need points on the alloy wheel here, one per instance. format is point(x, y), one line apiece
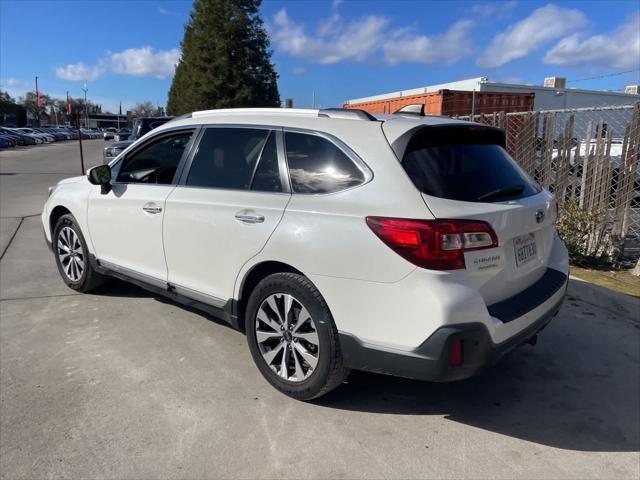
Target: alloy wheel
point(287, 337)
point(71, 254)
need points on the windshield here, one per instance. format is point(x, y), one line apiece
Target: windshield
point(466, 165)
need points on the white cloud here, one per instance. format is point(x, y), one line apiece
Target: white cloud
point(497, 10)
point(337, 40)
point(448, 47)
point(137, 62)
point(542, 26)
point(163, 11)
point(621, 49)
point(80, 72)
point(143, 62)
point(336, 3)
point(299, 71)
point(354, 41)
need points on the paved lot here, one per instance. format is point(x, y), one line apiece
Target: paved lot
point(121, 384)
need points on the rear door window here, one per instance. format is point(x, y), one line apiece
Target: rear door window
point(317, 165)
point(464, 164)
point(227, 158)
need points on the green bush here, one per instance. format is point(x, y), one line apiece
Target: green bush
point(584, 235)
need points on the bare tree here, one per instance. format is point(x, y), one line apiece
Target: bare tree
point(145, 109)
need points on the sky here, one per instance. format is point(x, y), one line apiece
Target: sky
point(333, 50)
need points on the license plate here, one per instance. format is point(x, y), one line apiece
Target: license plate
point(525, 248)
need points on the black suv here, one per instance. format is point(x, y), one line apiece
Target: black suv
point(141, 126)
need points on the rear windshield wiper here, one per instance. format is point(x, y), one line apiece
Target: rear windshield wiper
point(502, 192)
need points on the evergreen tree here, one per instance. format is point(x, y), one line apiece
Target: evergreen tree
point(226, 61)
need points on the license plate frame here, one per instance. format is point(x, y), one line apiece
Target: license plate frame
point(525, 249)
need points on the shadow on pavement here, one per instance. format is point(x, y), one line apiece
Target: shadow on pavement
point(549, 394)
point(527, 396)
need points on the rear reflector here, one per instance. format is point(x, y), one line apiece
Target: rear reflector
point(455, 356)
point(433, 244)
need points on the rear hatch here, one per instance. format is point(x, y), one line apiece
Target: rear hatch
point(464, 172)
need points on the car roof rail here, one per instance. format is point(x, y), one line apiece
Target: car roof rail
point(346, 113)
point(256, 111)
point(411, 109)
point(304, 112)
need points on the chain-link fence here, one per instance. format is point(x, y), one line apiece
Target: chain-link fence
point(591, 156)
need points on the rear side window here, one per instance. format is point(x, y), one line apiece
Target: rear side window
point(267, 176)
point(469, 165)
point(227, 157)
point(316, 165)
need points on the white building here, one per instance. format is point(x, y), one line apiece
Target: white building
point(546, 98)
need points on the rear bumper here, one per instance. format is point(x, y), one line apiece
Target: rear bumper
point(430, 360)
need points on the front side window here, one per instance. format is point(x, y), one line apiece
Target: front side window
point(316, 165)
point(155, 163)
point(227, 157)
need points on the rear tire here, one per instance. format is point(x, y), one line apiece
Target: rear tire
point(72, 256)
point(292, 337)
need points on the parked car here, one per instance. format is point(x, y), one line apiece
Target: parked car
point(11, 142)
point(72, 132)
point(122, 134)
point(46, 138)
point(141, 126)
point(411, 246)
point(5, 143)
point(23, 138)
point(89, 134)
point(113, 150)
point(56, 133)
point(109, 133)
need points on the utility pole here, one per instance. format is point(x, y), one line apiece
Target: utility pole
point(37, 102)
point(86, 107)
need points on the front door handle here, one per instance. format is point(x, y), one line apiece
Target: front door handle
point(152, 208)
point(249, 218)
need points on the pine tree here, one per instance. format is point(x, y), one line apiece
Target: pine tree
point(226, 61)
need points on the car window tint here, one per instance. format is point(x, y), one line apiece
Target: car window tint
point(316, 165)
point(226, 158)
point(156, 163)
point(464, 164)
point(267, 176)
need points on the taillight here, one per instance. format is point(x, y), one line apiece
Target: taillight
point(433, 244)
point(455, 355)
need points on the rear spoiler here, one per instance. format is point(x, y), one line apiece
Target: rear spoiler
point(412, 109)
point(441, 131)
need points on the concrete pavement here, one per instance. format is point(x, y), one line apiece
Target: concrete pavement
point(121, 384)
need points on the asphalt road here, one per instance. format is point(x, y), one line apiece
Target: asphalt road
point(121, 384)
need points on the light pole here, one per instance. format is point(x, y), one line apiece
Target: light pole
point(37, 103)
point(86, 107)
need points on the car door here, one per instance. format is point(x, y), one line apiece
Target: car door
point(125, 224)
point(228, 202)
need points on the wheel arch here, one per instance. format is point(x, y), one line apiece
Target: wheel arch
point(252, 277)
point(55, 215)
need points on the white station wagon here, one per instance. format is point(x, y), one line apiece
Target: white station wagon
point(399, 244)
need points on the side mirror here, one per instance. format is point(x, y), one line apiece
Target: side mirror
point(100, 175)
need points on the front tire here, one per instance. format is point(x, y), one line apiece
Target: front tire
point(72, 256)
point(292, 337)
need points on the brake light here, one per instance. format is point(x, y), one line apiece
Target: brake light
point(433, 244)
point(455, 356)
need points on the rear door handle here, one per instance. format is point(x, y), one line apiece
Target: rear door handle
point(248, 218)
point(152, 208)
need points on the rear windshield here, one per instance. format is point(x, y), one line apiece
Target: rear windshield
point(466, 164)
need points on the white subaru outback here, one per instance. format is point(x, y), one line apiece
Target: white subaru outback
point(399, 244)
